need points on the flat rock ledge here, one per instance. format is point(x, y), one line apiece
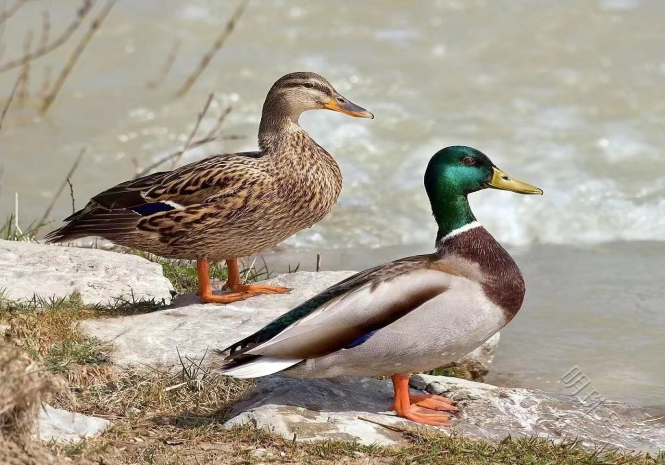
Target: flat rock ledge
point(101, 277)
point(343, 409)
point(64, 426)
point(189, 329)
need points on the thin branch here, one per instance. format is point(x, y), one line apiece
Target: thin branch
point(16, 214)
point(62, 187)
point(199, 142)
point(94, 27)
point(71, 194)
point(46, 82)
point(5, 15)
point(387, 426)
point(46, 30)
point(201, 116)
point(219, 123)
point(217, 45)
point(190, 144)
point(9, 100)
point(22, 92)
point(60, 40)
point(171, 58)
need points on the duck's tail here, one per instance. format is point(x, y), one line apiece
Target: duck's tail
point(257, 366)
point(95, 222)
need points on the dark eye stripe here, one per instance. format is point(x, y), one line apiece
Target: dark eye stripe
point(291, 84)
point(322, 88)
point(315, 85)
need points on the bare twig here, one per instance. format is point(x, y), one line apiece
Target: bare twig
point(22, 92)
point(171, 58)
point(318, 262)
point(16, 214)
point(71, 194)
point(62, 187)
point(46, 29)
point(143, 172)
point(5, 15)
point(5, 109)
point(220, 121)
point(94, 27)
point(201, 116)
point(387, 426)
point(46, 82)
point(191, 143)
point(217, 45)
point(199, 142)
point(57, 42)
point(174, 387)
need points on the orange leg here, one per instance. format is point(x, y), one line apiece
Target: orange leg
point(206, 291)
point(235, 285)
point(419, 408)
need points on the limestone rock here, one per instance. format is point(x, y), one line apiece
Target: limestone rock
point(195, 328)
point(28, 269)
point(64, 426)
point(320, 409)
point(330, 409)
point(489, 412)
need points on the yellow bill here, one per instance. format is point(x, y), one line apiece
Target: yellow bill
point(501, 180)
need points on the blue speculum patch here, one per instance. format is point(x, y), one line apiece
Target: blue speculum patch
point(154, 207)
point(360, 340)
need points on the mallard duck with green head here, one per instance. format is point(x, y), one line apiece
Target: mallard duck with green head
point(231, 205)
point(410, 315)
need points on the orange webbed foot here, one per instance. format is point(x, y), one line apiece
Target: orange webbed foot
point(425, 409)
point(255, 289)
point(426, 416)
point(433, 402)
point(224, 298)
point(436, 402)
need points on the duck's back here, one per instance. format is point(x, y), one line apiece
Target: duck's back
point(225, 206)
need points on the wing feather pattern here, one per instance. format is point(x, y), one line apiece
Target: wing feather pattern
point(188, 189)
point(343, 315)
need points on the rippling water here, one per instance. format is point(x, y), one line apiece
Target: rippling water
point(565, 95)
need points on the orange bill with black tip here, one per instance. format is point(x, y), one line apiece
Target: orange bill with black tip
point(343, 105)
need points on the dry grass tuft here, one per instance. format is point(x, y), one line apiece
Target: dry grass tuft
point(53, 337)
point(22, 386)
point(161, 396)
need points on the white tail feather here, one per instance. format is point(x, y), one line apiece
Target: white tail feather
point(260, 367)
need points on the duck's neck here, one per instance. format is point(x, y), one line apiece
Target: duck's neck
point(278, 123)
point(452, 214)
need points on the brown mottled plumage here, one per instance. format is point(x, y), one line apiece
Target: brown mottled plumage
point(230, 205)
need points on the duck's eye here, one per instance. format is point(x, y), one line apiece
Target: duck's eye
point(308, 85)
point(469, 161)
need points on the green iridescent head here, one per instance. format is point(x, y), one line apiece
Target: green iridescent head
point(456, 171)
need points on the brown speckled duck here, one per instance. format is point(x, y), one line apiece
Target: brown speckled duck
point(410, 315)
point(231, 205)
